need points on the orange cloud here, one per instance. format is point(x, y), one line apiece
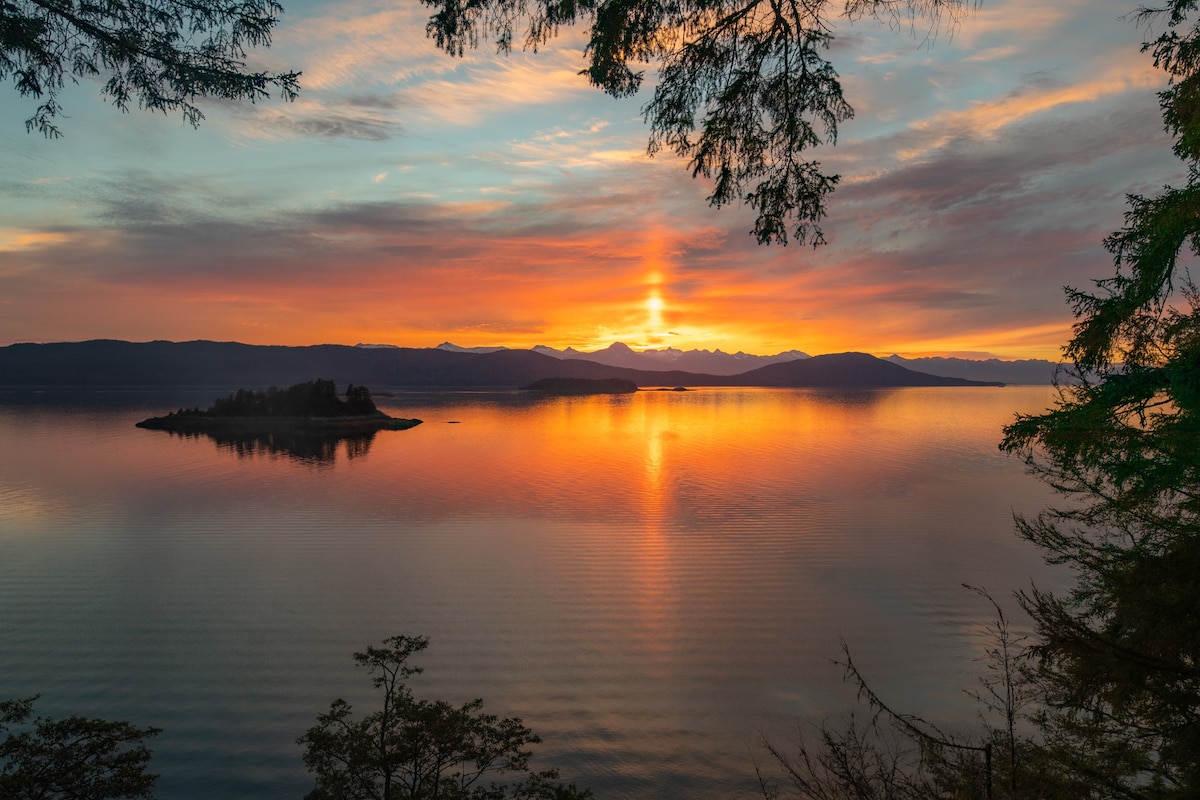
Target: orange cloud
point(986, 118)
point(12, 241)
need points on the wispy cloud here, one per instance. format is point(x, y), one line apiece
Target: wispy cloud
point(986, 118)
point(326, 123)
point(410, 197)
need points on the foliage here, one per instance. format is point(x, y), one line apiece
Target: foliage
point(896, 755)
point(317, 398)
point(160, 54)
point(413, 749)
point(743, 90)
point(1114, 671)
point(72, 758)
point(854, 762)
point(1119, 657)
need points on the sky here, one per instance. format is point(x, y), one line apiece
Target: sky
point(409, 197)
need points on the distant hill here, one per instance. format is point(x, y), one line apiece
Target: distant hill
point(222, 365)
point(848, 370)
point(1027, 371)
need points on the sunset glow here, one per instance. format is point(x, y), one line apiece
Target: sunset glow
point(413, 198)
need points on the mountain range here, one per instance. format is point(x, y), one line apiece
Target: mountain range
point(619, 354)
point(718, 362)
point(111, 363)
point(709, 362)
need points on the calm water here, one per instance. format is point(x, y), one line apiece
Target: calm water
point(652, 582)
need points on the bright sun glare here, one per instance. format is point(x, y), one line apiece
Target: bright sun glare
point(654, 305)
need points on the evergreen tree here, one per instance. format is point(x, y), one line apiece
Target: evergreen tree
point(1119, 655)
point(158, 54)
point(73, 758)
point(1113, 674)
point(412, 749)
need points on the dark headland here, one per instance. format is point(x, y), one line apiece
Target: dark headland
point(311, 407)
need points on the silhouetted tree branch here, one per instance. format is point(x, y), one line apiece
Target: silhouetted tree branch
point(71, 758)
point(413, 749)
point(1118, 661)
point(895, 755)
point(743, 90)
point(162, 55)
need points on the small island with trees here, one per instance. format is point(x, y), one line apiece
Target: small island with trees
point(582, 386)
point(312, 406)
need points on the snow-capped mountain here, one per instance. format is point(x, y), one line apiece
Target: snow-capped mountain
point(453, 348)
point(707, 362)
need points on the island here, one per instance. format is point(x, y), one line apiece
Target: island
point(582, 386)
point(305, 407)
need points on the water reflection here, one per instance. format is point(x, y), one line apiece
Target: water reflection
point(317, 447)
point(650, 580)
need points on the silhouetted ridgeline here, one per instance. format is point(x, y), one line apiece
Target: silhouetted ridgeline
point(108, 363)
point(1031, 371)
point(851, 370)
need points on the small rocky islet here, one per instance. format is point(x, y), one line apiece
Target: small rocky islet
point(311, 406)
point(575, 387)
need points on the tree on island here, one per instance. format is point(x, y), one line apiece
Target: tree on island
point(301, 410)
point(316, 398)
point(413, 749)
point(73, 758)
point(158, 54)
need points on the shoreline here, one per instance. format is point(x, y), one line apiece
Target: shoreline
point(202, 424)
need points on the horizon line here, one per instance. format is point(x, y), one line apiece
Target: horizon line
point(449, 346)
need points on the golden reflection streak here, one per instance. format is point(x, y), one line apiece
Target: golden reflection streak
point(654, 556)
